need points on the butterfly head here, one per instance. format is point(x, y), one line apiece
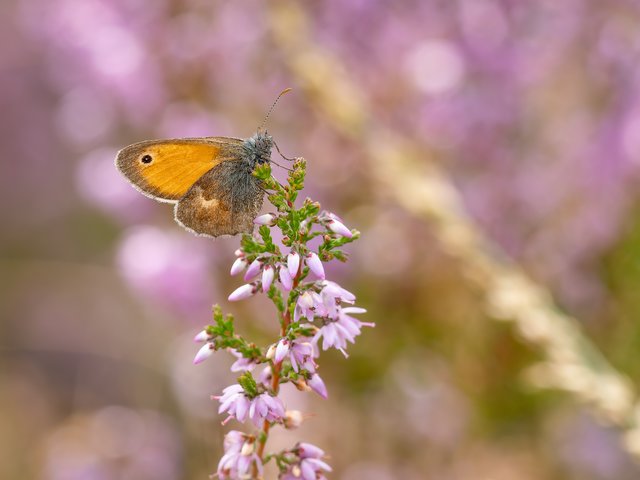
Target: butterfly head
point(258, 148)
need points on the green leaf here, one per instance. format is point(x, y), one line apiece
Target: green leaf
point(248, 384)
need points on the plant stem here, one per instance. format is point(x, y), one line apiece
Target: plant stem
point(275, 381)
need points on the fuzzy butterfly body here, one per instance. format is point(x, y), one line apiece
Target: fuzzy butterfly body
point(210, 179)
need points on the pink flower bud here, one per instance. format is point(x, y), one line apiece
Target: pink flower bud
point(318, 386)
point(266, 219)
point(239, 265)
point(285, 279)
point(281, 350)
point(307, 450)
point(267, 277)
point(204, 353)
point(339, 228)
point(245, 291)
point(202, 336)
point(253, 269)
point(313, 262)
point(293, 262)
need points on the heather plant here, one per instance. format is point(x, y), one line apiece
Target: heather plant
point(310, 312)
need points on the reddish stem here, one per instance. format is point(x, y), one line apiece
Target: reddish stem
point(275, 381)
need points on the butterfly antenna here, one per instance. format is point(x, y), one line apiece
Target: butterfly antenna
point(286, 158)
point(282, 166)
point(286, 90)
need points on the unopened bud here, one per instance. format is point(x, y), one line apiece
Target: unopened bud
point(301, 385)
point(266, 219)
point(293, 419)
point(271, 351)
point(247, 449)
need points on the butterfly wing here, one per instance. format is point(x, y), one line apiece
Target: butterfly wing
point(224, 201)
point(166, 169)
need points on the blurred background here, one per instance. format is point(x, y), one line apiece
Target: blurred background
point(527, 112)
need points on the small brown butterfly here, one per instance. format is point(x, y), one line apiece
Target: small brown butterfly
point(209, 179)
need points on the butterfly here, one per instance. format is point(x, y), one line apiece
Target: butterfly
point(209, 179)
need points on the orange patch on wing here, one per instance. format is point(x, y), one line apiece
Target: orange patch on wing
point(175, 167)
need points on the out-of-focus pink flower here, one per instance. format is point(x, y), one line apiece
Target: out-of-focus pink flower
point(265, 376)
point(204, 353)
point(310, 466)
point(166, 267)
point(239, 457)
point(318, 386)
point(201, 336)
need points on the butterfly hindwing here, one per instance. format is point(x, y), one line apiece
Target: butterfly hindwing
point(167, 169)
point(224, 201)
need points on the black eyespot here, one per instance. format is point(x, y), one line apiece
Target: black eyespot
point(146, 159)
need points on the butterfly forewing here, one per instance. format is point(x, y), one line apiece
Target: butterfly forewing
point(167, 169)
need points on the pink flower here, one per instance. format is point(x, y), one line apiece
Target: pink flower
point(253, 269)
point(239, 457)
point(267, 278)
point(265, 407)
point(234, 401)
point(285, 279)
point(242, 364)
point(239, 265)
point(265, 377)
point(318, 386)
point(308, 450)
point(293, 263)
point(335, 291)
point(266, 219)
point(335, 225)
point(245, 291)
point(315, 265)
point(333, 335)
point(238, 405)
point(204, 353)
point(309, 466)
point(300, 354)
point(202, 336)
point(281, 350)
point(307, 306)
point(338, 332)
